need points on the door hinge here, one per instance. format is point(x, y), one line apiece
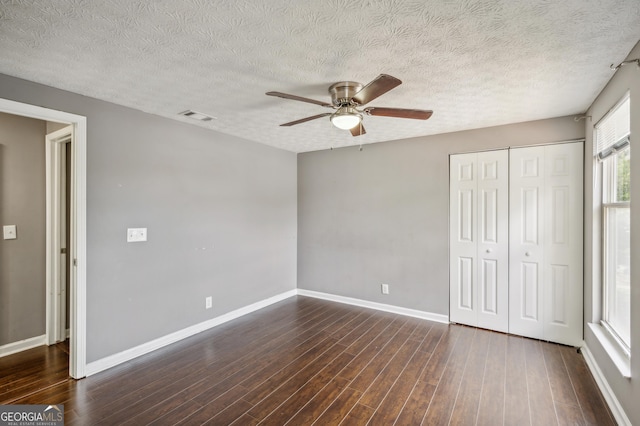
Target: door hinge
point(63, 251)
point(75, 262)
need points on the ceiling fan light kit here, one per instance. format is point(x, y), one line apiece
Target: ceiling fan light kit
point(346, 118)
point(347, 96)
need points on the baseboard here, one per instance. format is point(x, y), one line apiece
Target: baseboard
point(129, 354)
point(607, 392)
point(374, 305)
point(22, 345)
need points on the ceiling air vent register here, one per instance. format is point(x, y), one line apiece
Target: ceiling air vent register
point(197, 115)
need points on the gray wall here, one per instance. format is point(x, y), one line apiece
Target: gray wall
point(382, 215)
point(220, 213)
point(22, 203)
point(626, 390)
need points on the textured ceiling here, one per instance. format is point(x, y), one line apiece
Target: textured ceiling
point(476, 63)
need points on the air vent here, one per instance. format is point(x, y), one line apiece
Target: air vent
point(197, 115)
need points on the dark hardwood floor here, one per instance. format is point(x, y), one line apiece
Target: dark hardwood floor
point(305, 361)
point(33, 370)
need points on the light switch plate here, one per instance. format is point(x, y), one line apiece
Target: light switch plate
point(9, 232)
point(136, 235)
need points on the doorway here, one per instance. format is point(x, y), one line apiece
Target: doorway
point(77, 231)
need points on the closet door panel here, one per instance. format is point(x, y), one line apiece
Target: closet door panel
point(546, 221)
point(563, 293)
point(463, 239)
point(493, 240)
point(527, 206)
point(479, 239)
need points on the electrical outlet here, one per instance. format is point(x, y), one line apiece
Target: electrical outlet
point(384, 288)
point(208, 302)
point(135, 235)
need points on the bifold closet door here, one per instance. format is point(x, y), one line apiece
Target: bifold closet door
point(546, 242)
point(479, 239)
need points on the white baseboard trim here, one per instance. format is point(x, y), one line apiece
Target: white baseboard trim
point(22, 345)
point(129, 354)
point(374, 305)
point(607, 392)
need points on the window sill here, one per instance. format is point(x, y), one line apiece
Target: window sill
point(613, 349)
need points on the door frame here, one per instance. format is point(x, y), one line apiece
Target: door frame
point(78, 308)
point(55, 145)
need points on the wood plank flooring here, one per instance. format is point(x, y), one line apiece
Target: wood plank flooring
point(31, 371)
point(307, 361)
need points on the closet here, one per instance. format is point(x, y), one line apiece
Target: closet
point(516, 249)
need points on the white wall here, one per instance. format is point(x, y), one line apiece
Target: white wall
point(627, 391)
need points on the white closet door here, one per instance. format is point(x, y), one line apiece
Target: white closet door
point(479, 239)
point(526, 245)
point(493, 240)
point(463, 239)
point(545, 271)
point(563, 248)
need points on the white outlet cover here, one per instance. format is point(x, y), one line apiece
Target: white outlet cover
point(208, 303)
point(136, 235)
point(9, 232)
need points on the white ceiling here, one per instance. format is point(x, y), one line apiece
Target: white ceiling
point(476, 63)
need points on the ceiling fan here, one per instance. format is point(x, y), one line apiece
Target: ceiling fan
point(348, 96)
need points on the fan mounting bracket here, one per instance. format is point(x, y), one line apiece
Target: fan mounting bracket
point(342, 92)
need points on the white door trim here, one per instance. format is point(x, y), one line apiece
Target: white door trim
point(78, 308)
point(55, 143)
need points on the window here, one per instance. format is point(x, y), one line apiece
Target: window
point(613, 152)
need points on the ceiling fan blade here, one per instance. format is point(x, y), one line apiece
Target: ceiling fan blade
point(298, 98)
point(379, 86)
point(417, 114)
point(358, 130)
point(304, 120)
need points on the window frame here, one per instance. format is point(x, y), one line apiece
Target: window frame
point(606, 163)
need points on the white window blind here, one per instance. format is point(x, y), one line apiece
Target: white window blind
point(612, 132)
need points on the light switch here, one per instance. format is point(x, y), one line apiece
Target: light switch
point(9, 232)
point(135, 235)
